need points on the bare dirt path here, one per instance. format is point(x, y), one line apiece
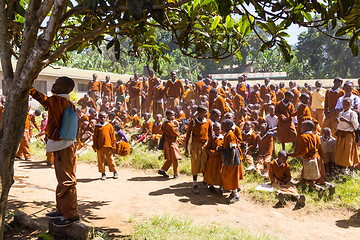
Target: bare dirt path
point(137, 194)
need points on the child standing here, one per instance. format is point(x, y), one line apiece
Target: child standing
point(213, 167)
point(171, 149)
point(232, 170)
point(346, 154)
point(200, 130)
point(328, 148)
point(104, 144)
point(265, 144)
point(64, 151)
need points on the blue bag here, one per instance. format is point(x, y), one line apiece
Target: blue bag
point(69, 124)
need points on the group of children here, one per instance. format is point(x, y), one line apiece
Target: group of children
point(222, 128)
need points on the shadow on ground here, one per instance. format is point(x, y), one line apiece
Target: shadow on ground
point(353, 221)
point(184, 192)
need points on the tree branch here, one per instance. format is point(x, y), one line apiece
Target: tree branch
point(5, 52)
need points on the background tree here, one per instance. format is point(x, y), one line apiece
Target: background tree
point(38, 33)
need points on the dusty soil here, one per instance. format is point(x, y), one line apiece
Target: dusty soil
point(138, 194)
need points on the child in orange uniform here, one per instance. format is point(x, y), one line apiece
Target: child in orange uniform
point(265, 144)
point(64, 151)
point(232, 170)
point(156, 131)
point(309, 149)
point(200, 130)
point(280, 177)
point(104, 144)
point(213, 167)
point(171, 149)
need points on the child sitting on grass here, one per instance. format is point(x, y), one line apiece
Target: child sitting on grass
point(104, 143)
point(171, 149)
point(280, 177)
point(145, 129)
point(156, 131)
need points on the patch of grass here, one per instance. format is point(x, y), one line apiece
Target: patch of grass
point(168, 227)
point(38, 150)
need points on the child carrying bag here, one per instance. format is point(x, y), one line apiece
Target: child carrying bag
point(69, 124)
point(311, 167)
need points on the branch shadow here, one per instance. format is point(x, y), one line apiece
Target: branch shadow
point(184, 192)
point(353, 221)
point(149, 179)
point(33, 165)
point(87, 180)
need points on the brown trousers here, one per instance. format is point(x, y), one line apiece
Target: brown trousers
point(50, 158)
point(65, 170)
point(319, 115)
point(24, 148)
point(93, 94)
point(135, 102)
point(105, 155)
point(158, 108)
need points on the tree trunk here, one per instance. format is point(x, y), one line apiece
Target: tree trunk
point(11, 132)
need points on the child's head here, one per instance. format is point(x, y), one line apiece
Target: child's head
point(213, 93)
point(247, 126)
point(92, 123)
point(117, 127)
point(203, 98)
point(224, 83)
point(255, 114)
point(178, 108)
point(92, 112)
point(105, 99)
point(63, 85)
point(271, 110)
point(102, 117)
point(134, 111)
point(85, 125)
point(326, 132)
point(338, 81)
point(264, 128)
point(272, 87)
point(170, 114)
point(348, 87)
point(281, 85)
point(226, 125)
point(289, 96)
point(229, 115)
point(107, 78)
point(158, 118)
point(147, 116)
point(266, 81)
point(78, 111)
point(292, 84)
point(256, 87)
point(44, 115)
point(347, 103)
point(233, 91)
point(217, 128)
point(191, 102)
point(282, 157)
point(304, 98)
point(119, 82)
point(307, 125)
point(256, 106)
point(215, 115)
point(202, 111)
point(37, 112)
point(267, 98)
point(112, 116)
point(318, 84)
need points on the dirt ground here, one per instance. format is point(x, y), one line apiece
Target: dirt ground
point(113, 205)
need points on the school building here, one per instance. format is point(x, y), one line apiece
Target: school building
point(47, 78)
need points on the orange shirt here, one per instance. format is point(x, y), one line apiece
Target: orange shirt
point(104, 136)
point(280, 95)
point(134, 88)
point(265, 145)
point(279, 173)
point(264, 90)
point(213, 143)
point(200, 130)
point(198, 88)
point(94, 86)
point(156, 129)
point(296, 93)
point(107, 87)
point(303, 113)
point(136, 122)
point(146, 126)
point(158, 93)
point(254, 97)
point(55, 105)
point(120, 90)
point(174, 89)
point(1, 112)
point(221, 105)
point(170, 133)
point(250, 139)
point(331, 98)
point(238, 102)
point(306, 146)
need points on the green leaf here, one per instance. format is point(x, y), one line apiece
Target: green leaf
point(215, 22)
point(283, 34)
point(308, 16)
point(229, 22)
point(165, 46)
point(238, 55)
point(343, 30)
point(204, 2)
point(264, 27)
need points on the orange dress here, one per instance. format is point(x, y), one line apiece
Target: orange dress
point(214, 164)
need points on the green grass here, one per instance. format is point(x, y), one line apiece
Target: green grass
point(168, 227)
